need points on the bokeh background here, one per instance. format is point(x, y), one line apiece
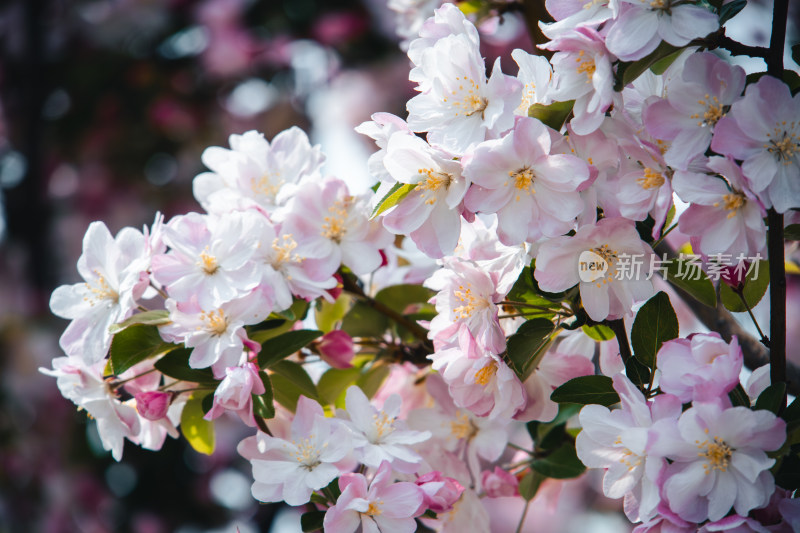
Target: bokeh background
point(105, 108)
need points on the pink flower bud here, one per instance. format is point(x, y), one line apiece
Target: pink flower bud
point(153, 404)
point(440, 492)
point(336, 348)
point(499, 483)
point(337, 290)
point(735, 275)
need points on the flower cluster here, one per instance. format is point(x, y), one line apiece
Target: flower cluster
point(464, 301)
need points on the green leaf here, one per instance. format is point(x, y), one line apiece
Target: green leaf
point(670, 217)
point(263, 404)
point(312, 521)
point(530, 484)
point(628, 72)
point(176, 365)
point(598, 332)
point(133, 345)
point(289, 382)
point(792, 231)
point(561, 464)
point(523, 345)
point(334, 382)
point(700, 289)
point(637, 372)
point(585, 390)
point(198, 431)
point(526, 291)
point(363, 321)
point(792, 413)
point(282, 346)
point(655, 324)
point(730, 10)
point(155, 317)
point(739, 397)
point(553, 115)
point(658, 68)
point(372, 379)
point(327, 314)
point(393, 197)
point(400, 297)
point(772, 398)
point(755, 286)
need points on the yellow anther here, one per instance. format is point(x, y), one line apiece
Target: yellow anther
point(652, 179)
point(486, 373)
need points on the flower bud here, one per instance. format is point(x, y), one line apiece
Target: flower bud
point(440, 492)
point(499, 483)
point(336, 349)
point(153, 404)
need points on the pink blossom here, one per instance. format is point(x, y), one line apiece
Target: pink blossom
point(570, 14)
point(111, 269)
point(532, 191)
point(153, 405)
point(290, 470)
point(557, 267)
point(380, 129)
point(430, 214)
point(439, 491)
point(763, 130)
point(535, 73)
point(337, 349)
point(694, 103)
point(235, 393)
point(582, 66)
point(700, 368)
point(618, 441)
point(255, 173)
point(499, 483)
point(724, 216)
point(382, 505)
point(719, 460)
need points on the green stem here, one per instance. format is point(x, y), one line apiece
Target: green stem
point(520, 448)
point(523, 305)
point(524, 514)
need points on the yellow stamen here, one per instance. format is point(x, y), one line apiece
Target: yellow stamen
point(651, 180)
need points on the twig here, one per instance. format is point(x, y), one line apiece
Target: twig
point(524, 514)
point(618, 327)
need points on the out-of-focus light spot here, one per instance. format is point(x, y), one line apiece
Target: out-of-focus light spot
point(231, 489)
point(56, 105)
point(251, 97)
point(95, 12)
point(63, 182)
point(13, 166)
point(185, 43)
point(121, 479)
point(311, 64)
point(160, 169)
point(287, 520)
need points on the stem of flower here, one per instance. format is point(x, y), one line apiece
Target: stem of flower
point(524, 305)
point(618, 327)
point(520, 448)
point(764, 338)
point(524, 514)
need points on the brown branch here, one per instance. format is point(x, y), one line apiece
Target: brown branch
point(535, 12)
point(618, 327)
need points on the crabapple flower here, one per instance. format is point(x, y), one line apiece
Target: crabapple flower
point(763, 131)
point(533, 192)
point(643, 24)
point(618, 442)
point(84, 385)
point(430, 214)
point(466, 298)
point(411, 14)
point(499, 483)
point(378, 435)
point(153, 405)
point(570, 14)
point(382, 506)
point(290, 470)
point(700, 368)
point(694, 103)
point(535, 74)
point(337, 349)
point(209, 258)
point(112, 284)
point(582, 67)
point(235, 393)
point(217, 335)
point(439, 492)
point(459, 107)
point(380, 129)
point(253, 172)
point(484, 384)
point(719, 460)
point(724, 216)
point(337, 226)
point(614, 290)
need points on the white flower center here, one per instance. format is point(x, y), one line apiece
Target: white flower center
point(717, 452)
point(100, 291)
point(585, 66)
point(713, 111)
point(267, 185)
point(784, 142)
point(215, 321)
point(208, 262)
point(485, 374)
point(334, 227)
point(470, 303)
point(652, 179)
point(434, 182)
point(471, 101)
point(306, 453)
